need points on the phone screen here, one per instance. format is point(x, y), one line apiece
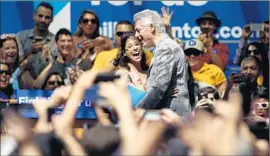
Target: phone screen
point(152, 115)
point(255, 27)
point(205, 30)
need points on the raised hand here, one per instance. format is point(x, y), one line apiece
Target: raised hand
point(246, 32)
point(46, 53)
point(205, 40)
point(114, 91)
point(166, 16)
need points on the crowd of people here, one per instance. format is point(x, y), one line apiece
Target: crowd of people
point(190, 107)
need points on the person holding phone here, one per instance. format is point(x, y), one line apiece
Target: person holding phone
point(216, 53)
point(246, 32)
point(32, 41)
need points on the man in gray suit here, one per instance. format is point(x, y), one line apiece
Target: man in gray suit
point(168, 68)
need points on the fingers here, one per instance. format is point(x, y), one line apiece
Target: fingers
point(171, 14)
point(60, 95)
point(56, 119)
point(102, 117)
point(87, 79)
point(87, 43)
point(163, 10)
point(123, 80)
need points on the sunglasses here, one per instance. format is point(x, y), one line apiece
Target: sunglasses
point(4, 72)
point(262, 104)
point(255, 52)
point(86, 21)
point(119, 33)
point(192, 52)
point(59, 83)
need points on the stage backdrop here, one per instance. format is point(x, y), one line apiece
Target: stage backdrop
point(17, 16)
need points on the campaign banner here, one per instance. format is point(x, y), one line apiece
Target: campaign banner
point(18, 15)
point(85, 110)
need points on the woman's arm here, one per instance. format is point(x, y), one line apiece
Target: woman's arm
point(42, 76)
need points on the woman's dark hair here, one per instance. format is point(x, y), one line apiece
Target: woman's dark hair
point(193, 88)
point(122, 60)
point(16, 64)
point(49, 76)
point(258, 46)
point(9, 90)
point(261, 92)
point(79, 31)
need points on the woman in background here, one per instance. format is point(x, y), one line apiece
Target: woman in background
point(87, 30)
point(53, 81)
point(9, 53)
point(6, 90)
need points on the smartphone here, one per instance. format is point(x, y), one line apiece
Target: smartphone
point(256, 27)
point(50, 112)
point(152, 115)
point(38, 39)
point(205, 30)
point(105, 77)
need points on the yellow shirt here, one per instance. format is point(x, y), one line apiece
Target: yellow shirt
point(103, 59)
point(210, 74)
point(260, 80)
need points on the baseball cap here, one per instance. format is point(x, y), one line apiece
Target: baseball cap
point(195, 44)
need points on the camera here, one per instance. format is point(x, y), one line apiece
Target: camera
point(240, 78)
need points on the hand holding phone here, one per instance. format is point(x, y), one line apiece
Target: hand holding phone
point(37, 45)
point(256, 27)
point(205, 30)
point(246, 31)
point(86, 44)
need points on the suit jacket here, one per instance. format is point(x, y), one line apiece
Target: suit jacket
point(168, 70)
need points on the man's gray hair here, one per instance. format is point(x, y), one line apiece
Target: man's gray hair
point(153, 17)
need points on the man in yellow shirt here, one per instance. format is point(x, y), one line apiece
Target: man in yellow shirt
point(104, 59)
point(205, 74)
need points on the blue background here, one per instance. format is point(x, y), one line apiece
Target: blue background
point(17, 16)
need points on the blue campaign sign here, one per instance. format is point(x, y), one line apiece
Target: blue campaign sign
point(18, 15)
point(85, 110)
